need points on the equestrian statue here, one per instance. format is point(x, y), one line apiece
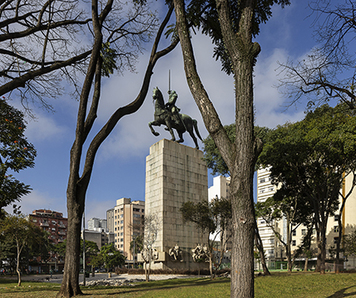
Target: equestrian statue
point(168, 114)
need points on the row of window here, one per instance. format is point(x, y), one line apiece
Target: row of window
point(265, 189)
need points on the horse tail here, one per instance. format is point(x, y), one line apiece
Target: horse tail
point(195, 123)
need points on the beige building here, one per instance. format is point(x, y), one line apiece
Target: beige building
point(273, 248)
point(125, 220)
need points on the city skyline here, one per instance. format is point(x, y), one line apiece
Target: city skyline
point(119, 170)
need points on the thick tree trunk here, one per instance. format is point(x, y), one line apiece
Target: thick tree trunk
point(240, 156)
point(70, 284)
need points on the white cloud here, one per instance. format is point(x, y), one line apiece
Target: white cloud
point(270, 104)
point(39, 200)
point(44, 127)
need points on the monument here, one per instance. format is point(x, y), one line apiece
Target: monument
point(175, 174)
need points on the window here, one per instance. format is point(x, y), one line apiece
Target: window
point(294, 242)
point(262, 180)
point(336, 239)
point(336, 229)
point(137, 215)
point(121, 215)
point(336, 217)
point(294, 233)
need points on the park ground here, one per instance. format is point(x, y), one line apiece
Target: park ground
point(278, 285)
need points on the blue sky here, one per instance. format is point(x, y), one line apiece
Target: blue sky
point(119, 170)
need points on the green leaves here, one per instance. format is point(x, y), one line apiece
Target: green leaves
point(108, 57)
point(16, 153)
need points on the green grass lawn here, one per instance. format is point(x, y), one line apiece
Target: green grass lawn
point(279, 285)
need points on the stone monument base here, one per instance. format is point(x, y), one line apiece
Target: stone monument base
point(175, 174)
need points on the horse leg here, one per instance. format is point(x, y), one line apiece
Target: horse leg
point(155, 123)
point(180, 133)
point(191, 132)
point(169, 126)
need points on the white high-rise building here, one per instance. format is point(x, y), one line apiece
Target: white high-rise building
point(273, 247)
point(97, 224)
point(265, 189)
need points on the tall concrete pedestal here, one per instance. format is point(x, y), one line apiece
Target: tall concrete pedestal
point(175, 174)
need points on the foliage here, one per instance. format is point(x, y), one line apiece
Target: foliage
point(203, 15)
point(310, 158)
point(16, 154)
point(213, 217)
point(212, 156)
point(91, 248)
point(350, 244)
point(137, 244)
point(111, 257)
point(20, 230)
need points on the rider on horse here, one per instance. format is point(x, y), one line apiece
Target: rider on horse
point(173, 109)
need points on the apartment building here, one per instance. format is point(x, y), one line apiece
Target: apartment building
point(97, 232)
point(97, 224)
point(265, 189)
point(52, 222)
point(125, 220)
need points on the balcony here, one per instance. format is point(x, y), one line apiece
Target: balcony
point(44, 224)
point(61, 233)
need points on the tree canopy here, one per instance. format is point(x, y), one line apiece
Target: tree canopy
point(310, 160)
point(16, 154)
point(213, 218)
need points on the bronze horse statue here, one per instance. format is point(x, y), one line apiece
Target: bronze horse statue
point(173, 120)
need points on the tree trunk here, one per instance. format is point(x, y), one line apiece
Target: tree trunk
point(70, 283)
point(77, 185)
point(306, 264)
point(239, 156)
point(18, 264)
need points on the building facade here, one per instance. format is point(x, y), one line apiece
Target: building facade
point(52, 222)
point(126, 221)
point(97, 224)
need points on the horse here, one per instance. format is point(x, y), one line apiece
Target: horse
point(180, 122)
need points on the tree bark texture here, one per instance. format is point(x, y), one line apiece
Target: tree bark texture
point(239, 156)
point(78, 184)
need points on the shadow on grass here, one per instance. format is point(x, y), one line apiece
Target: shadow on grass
point(160, 285)
point(341, 293)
